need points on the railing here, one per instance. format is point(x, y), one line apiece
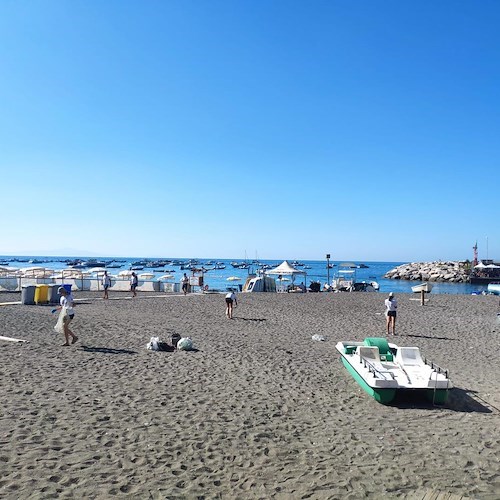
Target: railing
point(16, 284)
point(375, 371)
point(436, 368)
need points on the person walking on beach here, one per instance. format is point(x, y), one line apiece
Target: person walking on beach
point(391, 305)
point(230, 300)
point(133, 283)
point(106, 283)
point(184, 283)
point(66, 315)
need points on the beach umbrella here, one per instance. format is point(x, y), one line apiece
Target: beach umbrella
point(97, 270)
point(480, 266)
point(166, 277)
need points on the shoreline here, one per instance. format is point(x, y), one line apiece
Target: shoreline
point(259, 410)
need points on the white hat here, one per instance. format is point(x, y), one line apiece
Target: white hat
point(391, 294)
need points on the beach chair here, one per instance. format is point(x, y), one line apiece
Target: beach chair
point(370, 353)
point(409, 356)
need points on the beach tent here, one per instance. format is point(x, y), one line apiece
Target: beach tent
point(285, 268)
point(480, 266)
point(492, 266)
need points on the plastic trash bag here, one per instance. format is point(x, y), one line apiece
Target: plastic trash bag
point(319, 338)
point(185, 344)
point(59, 327)
point(153, 344)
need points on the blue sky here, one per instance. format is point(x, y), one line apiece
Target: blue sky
point(288, 129)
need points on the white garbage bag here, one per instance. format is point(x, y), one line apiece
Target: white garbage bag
point(185, 344)
point(153, 344)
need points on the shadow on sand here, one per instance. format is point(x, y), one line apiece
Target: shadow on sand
point(106, 350)
point(426, 337)
point(249, 319)
point(459, 400)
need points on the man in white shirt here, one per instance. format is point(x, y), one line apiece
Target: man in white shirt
point(230, 300)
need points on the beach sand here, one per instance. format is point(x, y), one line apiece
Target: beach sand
point(258, 411)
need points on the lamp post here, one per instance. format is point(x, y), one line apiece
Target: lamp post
point(328, 267)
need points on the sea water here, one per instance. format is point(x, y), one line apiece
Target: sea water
point(221, 279)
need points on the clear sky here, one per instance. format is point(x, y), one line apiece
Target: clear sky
point(217, 128)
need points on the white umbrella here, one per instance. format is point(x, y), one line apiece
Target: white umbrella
point(98, 270)
point(480, 266)
point(492, 266)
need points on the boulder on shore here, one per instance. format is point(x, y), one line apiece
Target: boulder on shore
point(446, 271)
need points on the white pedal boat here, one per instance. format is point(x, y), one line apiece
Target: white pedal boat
point(383, 369)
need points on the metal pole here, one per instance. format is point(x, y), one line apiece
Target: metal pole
point(328, 268)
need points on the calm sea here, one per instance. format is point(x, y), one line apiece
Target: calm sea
point(218, 278)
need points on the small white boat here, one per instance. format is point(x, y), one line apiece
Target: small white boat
point(494, 288)
point(423, 287)
point(259, 284)
point(383, 369)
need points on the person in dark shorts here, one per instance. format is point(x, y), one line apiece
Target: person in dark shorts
point(68, 313)
point(391, 305)
point(185, 283)
point(230, 300)
point(134, 281)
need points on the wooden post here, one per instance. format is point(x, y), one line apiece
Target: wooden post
point(422, 297)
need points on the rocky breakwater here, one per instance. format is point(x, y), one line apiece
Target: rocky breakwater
point(451, 272)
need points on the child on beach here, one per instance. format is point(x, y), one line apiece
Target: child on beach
point(391, 305)
point(66, 315)
point(106, 283)
point(230, 299)
point(133, 284)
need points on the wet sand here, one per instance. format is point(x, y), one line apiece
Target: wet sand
point(259, 410)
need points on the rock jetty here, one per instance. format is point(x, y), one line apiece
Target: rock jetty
point(451, 272)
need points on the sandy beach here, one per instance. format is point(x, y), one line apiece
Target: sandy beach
point(259, 410)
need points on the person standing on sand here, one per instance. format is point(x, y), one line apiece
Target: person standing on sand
point(391, 305)
point(106, 283)
point(230, 300)
point(134, 281)
point(67, 314)
point(184, 283)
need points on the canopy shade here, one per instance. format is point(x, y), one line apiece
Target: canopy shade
point(480, 266)
point(285, 268)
